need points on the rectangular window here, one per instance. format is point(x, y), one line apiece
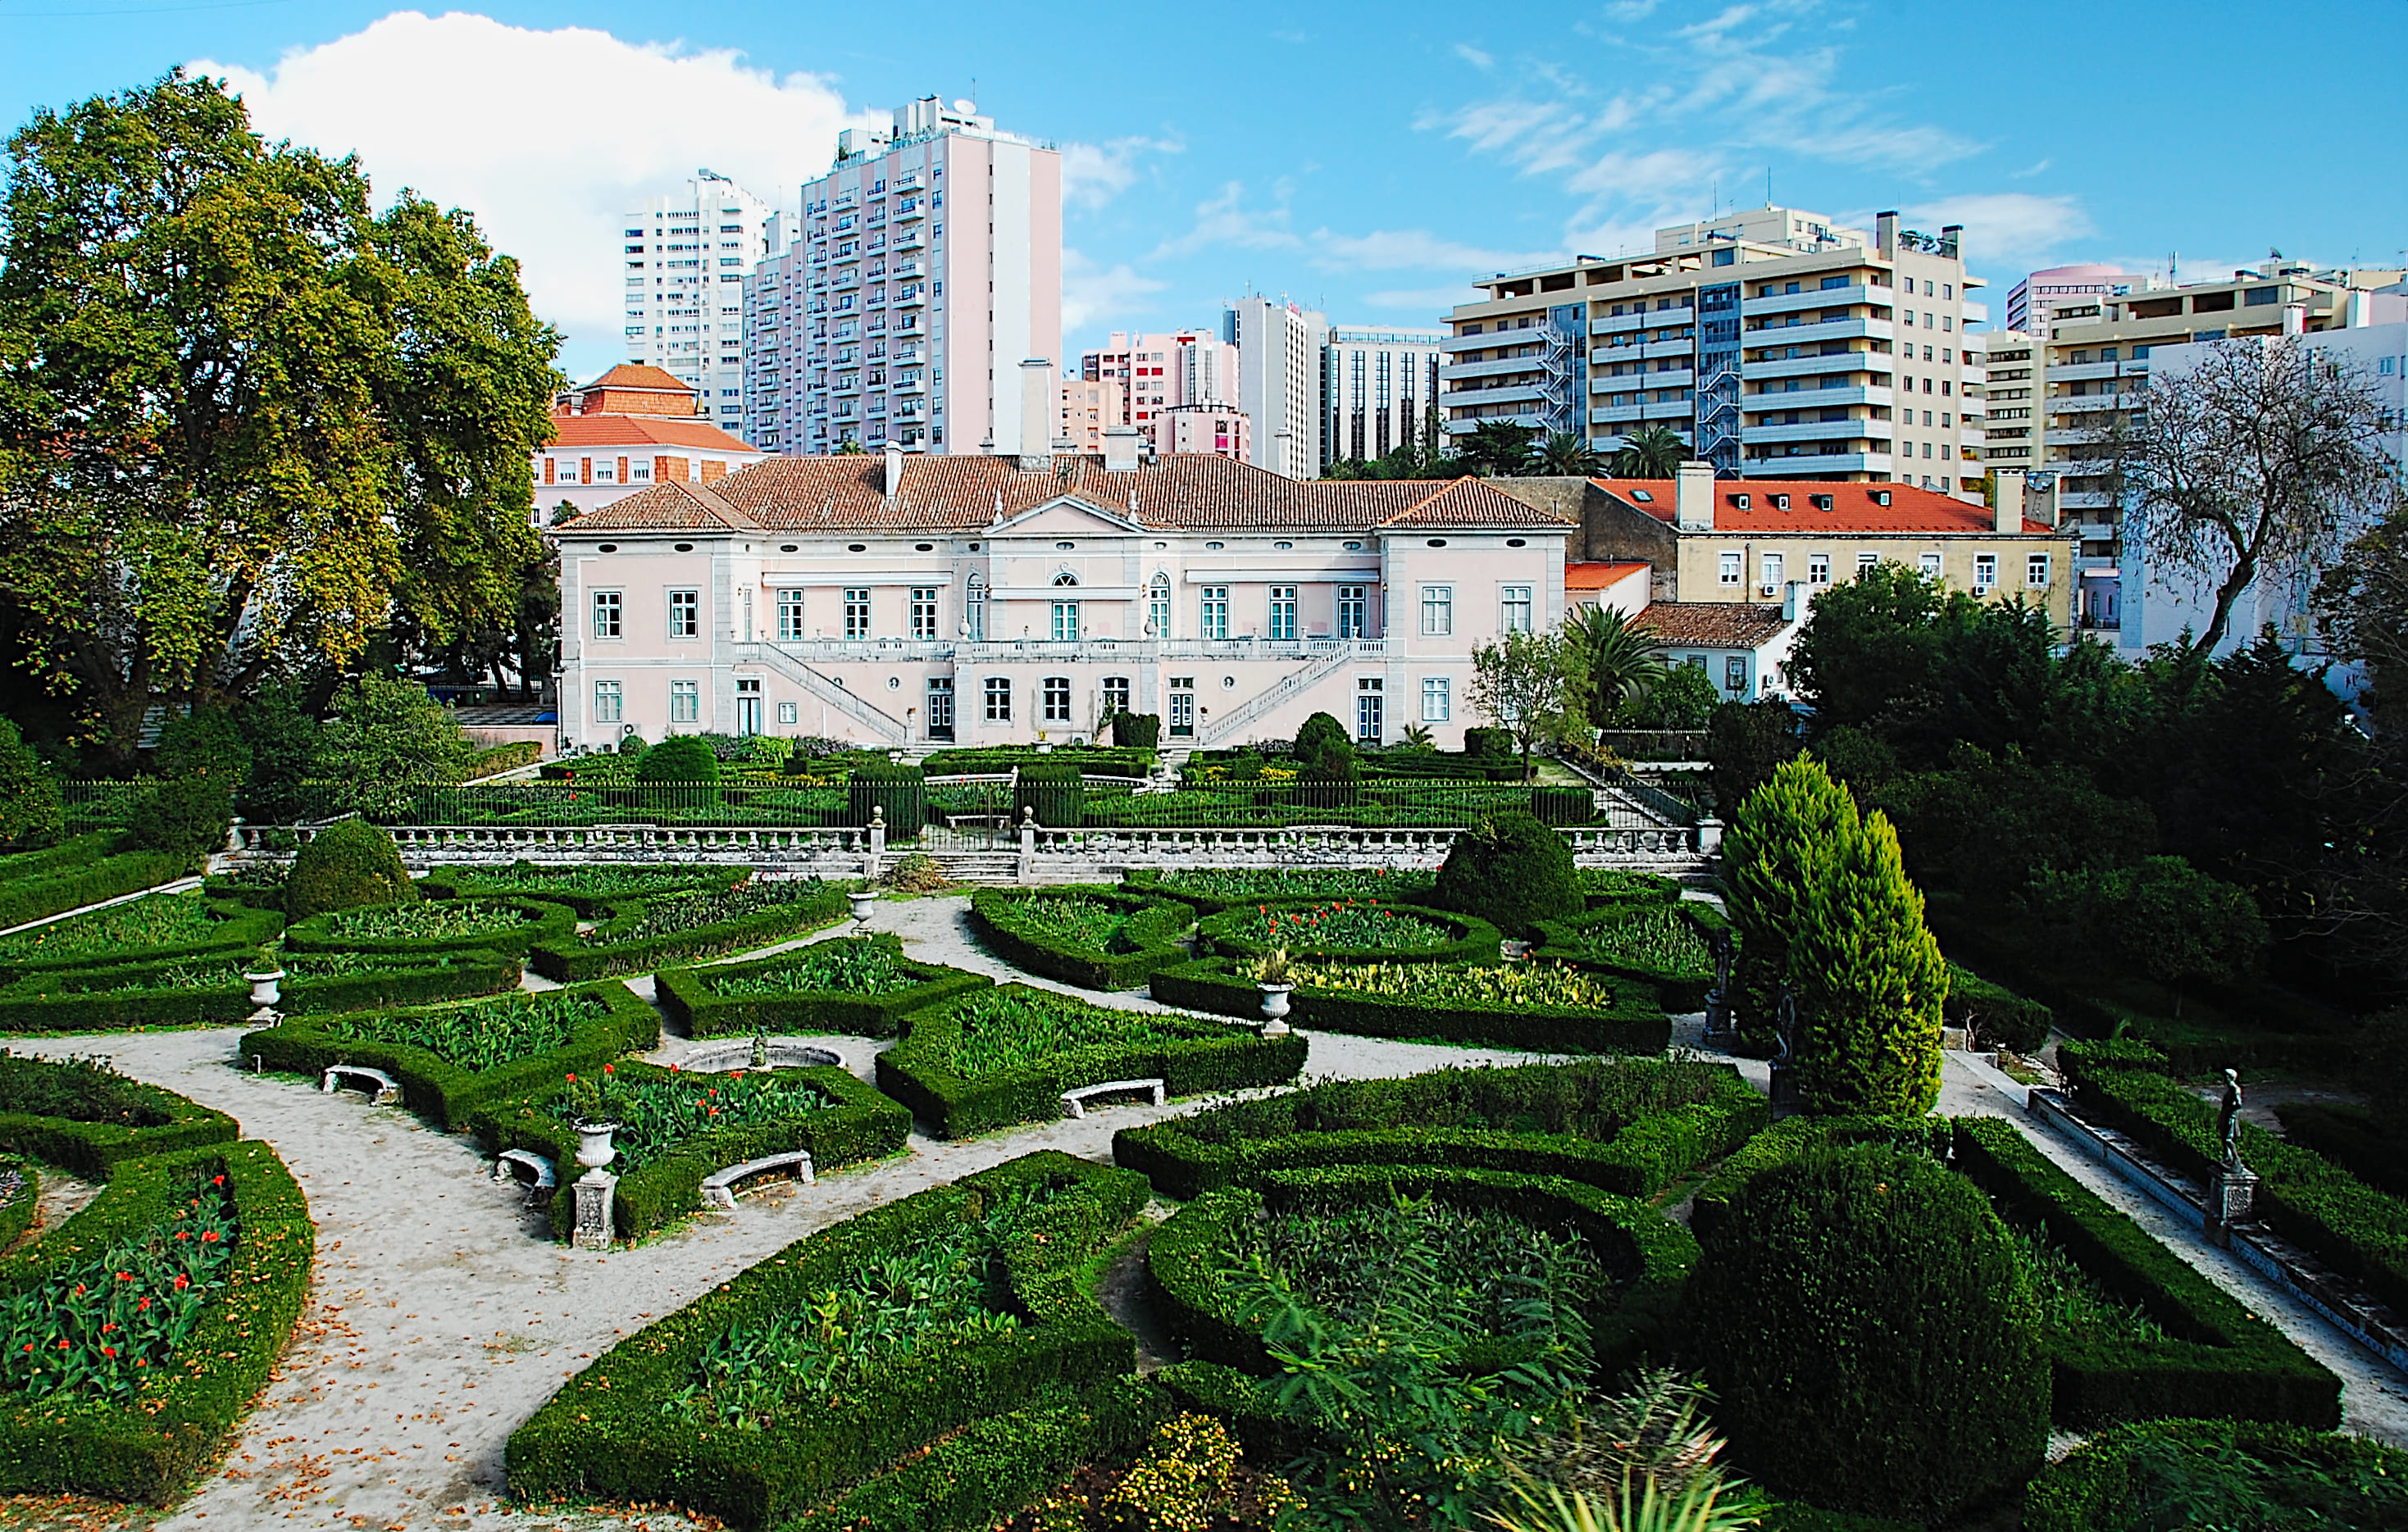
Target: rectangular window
point(1116, 693)
point(786, 712)
point(608, 607)
point(924, 612)
point(2036, 570)
point(1368, 724)
point(974, 613)
point(608, 702)
point(1771, 569)
point(1212, 611)
point(1282, 612)
point(686, 702)
point(1734, 673)
point(998, 699)
point(1437, 610)
point(1513, 608)
point(1353, 609)
point(1065, 621)
point(1868, 561)
point(1437, 699)
point(1929, 564)
point(856, 613)
point(685, 613)
point(1729, 570)
point(1057, 695)
point(1818, 568)
point(1158, 609)
point(790, 617)
point(1986, 571)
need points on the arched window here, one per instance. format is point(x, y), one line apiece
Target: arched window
point(1066, 578)
point(1159, 604)
point(974, 611)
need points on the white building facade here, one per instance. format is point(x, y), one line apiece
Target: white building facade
point(1278, 380)
point(685, 258)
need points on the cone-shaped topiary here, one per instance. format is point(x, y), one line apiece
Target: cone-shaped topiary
point(348, 863)
point(1783, 830)
point(1511, 871)
point(1322, 744)
point(1871, 1336)
point(1869, 981)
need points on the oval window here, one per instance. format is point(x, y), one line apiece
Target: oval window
point(893, 683)
point(685, 547)
point(923, 547)
point(1517, 542)
point(856, 548)
point(1215, 546)
point(786, 548)
point(1438, 542)
point(1229, 680)
point(1066, 547)
point(1352, 546)
point(608, 548)
point(1282, 544)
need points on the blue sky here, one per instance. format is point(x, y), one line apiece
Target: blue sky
point(1364, 159)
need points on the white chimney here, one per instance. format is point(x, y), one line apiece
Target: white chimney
point(1120, 448)
point(1693, 497)
point(894, 467)
point(1040, 407)
point(2010, 501)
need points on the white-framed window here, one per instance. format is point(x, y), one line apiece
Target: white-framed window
point(786, 712)
point(1771, 567)
point(1056, 694)
point(974, 610)
point(1115, 691)
point(2036, 570)
point(1437, 610)
point(609, 702)
point(1929, 564)
point(1437, 699)
point(856, 612)
point(686, 702)
point(1354, 610)
point(685, 613)
point(790, 617)
point(1729, 569)
point(1159, 604)
point(1986, 571)
point(924, 612)
point(1283, 617)
point(998, 699)
point(609, 614)
point(1513, 608)
point(1066, 620)
point(1369, 724)
point(1868, 561)
point(1212, 611)
point(1818, 568)
point(1734, 673)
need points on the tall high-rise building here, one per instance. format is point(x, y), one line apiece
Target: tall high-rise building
point(1278, 380)
point(1158, 373)
point(1379, 390)
point(686, 257)
point(924, 269)
point(1774, 342)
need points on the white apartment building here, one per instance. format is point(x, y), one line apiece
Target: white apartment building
point(925, 269)
point(1776, 343)
point(685, 259)
point(1278, 380)
point(1156, 374)
point(1378, 388)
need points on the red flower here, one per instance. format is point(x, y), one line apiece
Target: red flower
point(125, 1276)
point(108, 1350)
point(182, 1282)
point(62, 1345)
point(572, 1079)
point(211, 1237)
point(609, 1069)
point(180, 1234)
point(142, 1307)
point(110, 1325)
point(219, 1180)
point(142, 1361)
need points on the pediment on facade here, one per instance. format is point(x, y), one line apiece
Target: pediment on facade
point(1066, 516)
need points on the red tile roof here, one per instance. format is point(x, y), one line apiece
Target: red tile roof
point(1712, 624)
point(1583, 576)
point(672, 507)
point(1191, 491)
point(631, 375)
point(642, 431)
point(1852, 507)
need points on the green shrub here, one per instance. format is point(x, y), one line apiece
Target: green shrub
point(1137, 731)
point(1212, 890)
point(185, 818)
point(1870, 983)
point(861, 988)
point(591, 889)
point(1771, 860)
point(1746, 742)
point(1088, 936)
point(636, 935)
point(681, 761)
point(1634, 1023)
point(1999, 1017)
point(31, 813)
point(424, 928)
point(73, 886)
point(899, 791)
point(2357, 1138)
point(282, 737)
point(494, 759)
point(1794, 1139)
point(1511, 871)
point(1346, 931)
point(1664, 944)
point(2220, 1473)
point(346, 865)
point(1870, 1336)
point(1054, 790)
point(1562, 805)
point(207, 741)
point(81, 1115)
point(1489, 747)
point(1323, 745)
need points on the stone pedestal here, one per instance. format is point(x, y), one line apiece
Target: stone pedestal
point(592, 1226)
point(1784, 1090)
point(2231, 1199)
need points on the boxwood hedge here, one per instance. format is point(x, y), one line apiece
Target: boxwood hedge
point(1636, 1023)
point(1787, 1141)
point(605, 1435)
point(93, 1150)
point(1147, 944)
point(126, 997)
point(617, 944)
point(1240, 933)
point(233, 927)
point(1682, 989)
point(151, 1450)
point(696, 1000)
point(857, 1123)
point(444, 1092)
point(1630, 1126)
point(590, 889)
point(72, 882)
point(2144, 1475)
point(1203, 1056)
point(1282, 883)
point(536, 922)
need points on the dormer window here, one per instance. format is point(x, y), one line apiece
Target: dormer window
point(1881, 497)
point(1642, 496)
point(1742, 501)
point(1781, 502)
point(1822, 502)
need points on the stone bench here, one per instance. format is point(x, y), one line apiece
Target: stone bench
point(528, 1168)
point(1075, 1103)
point(719, 1187)
point(384, 1089)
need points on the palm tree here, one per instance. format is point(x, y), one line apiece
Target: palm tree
point(1569, 454)
point(1652, 451)
point(1621, 659)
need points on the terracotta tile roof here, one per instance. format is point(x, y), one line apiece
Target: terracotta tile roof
point(1585, 576)
point(1189, 491)
point(1852, 507)
point(673, 507)
point(634, 375)
point(1712, 624)
point(642, 430)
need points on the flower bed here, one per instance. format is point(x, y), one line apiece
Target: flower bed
point(860, 987)
point(1514, 1006)
point(1605, 886)
point(1348, 931)
point(21, 1195)
point(1212, 890)
point(162, 927)
point(134, 1412)
point(1666, 945)
point(957, 1305)
point(450, 1060)
point(1006, 1054)
point(434, 925)
point(677, 1128)
point(213, 990)
point(589, 890)
point(83, 1116)
point(1629, 1126)
point(640, 933)
point(1091, 937)
point(77, 872)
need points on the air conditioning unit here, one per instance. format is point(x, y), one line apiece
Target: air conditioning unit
point(1768, 590)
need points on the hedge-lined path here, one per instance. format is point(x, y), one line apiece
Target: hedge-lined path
point(177, 885)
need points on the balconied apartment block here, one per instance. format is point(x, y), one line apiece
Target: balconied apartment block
point(901, 598)
point(685, 259)
point(1774, 342)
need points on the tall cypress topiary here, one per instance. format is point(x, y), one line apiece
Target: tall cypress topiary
point(1783, 829)
point(1870, 981)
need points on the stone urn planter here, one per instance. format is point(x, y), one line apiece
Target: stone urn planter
point(862, 903)
point(593, 1150)
point(265, 988)
point(1275, 1008)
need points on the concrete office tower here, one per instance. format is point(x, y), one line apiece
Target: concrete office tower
point(926, 268)
point(685, 259)
point(1379, 390)
point(1278, 380)
point(1776, 343)
point(2031, 301)
point(1157, 373)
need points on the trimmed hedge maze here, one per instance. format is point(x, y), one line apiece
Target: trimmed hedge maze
point(1546, 1007)
point(85, 1118)
point(638, 935)
point(1668, 944)
point(1090, 935)
point(86, 870)
point(1348, 931)
point(1212, 890)
point(859, 986)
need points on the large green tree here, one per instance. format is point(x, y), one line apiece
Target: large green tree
point(1869, 981)
point(1528, 684)
point(1771, 863)
point(1497, 449)
point(246, 421)
point(1620, 658)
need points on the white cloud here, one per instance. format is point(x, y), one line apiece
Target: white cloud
point(2008, 226)
point(546, 136)
point(1477, 58)
point(1412, 249)
point(1226, 220)
point(1094, 174)
point(1092, 295)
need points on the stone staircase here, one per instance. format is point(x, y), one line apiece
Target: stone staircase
point(990, 866)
